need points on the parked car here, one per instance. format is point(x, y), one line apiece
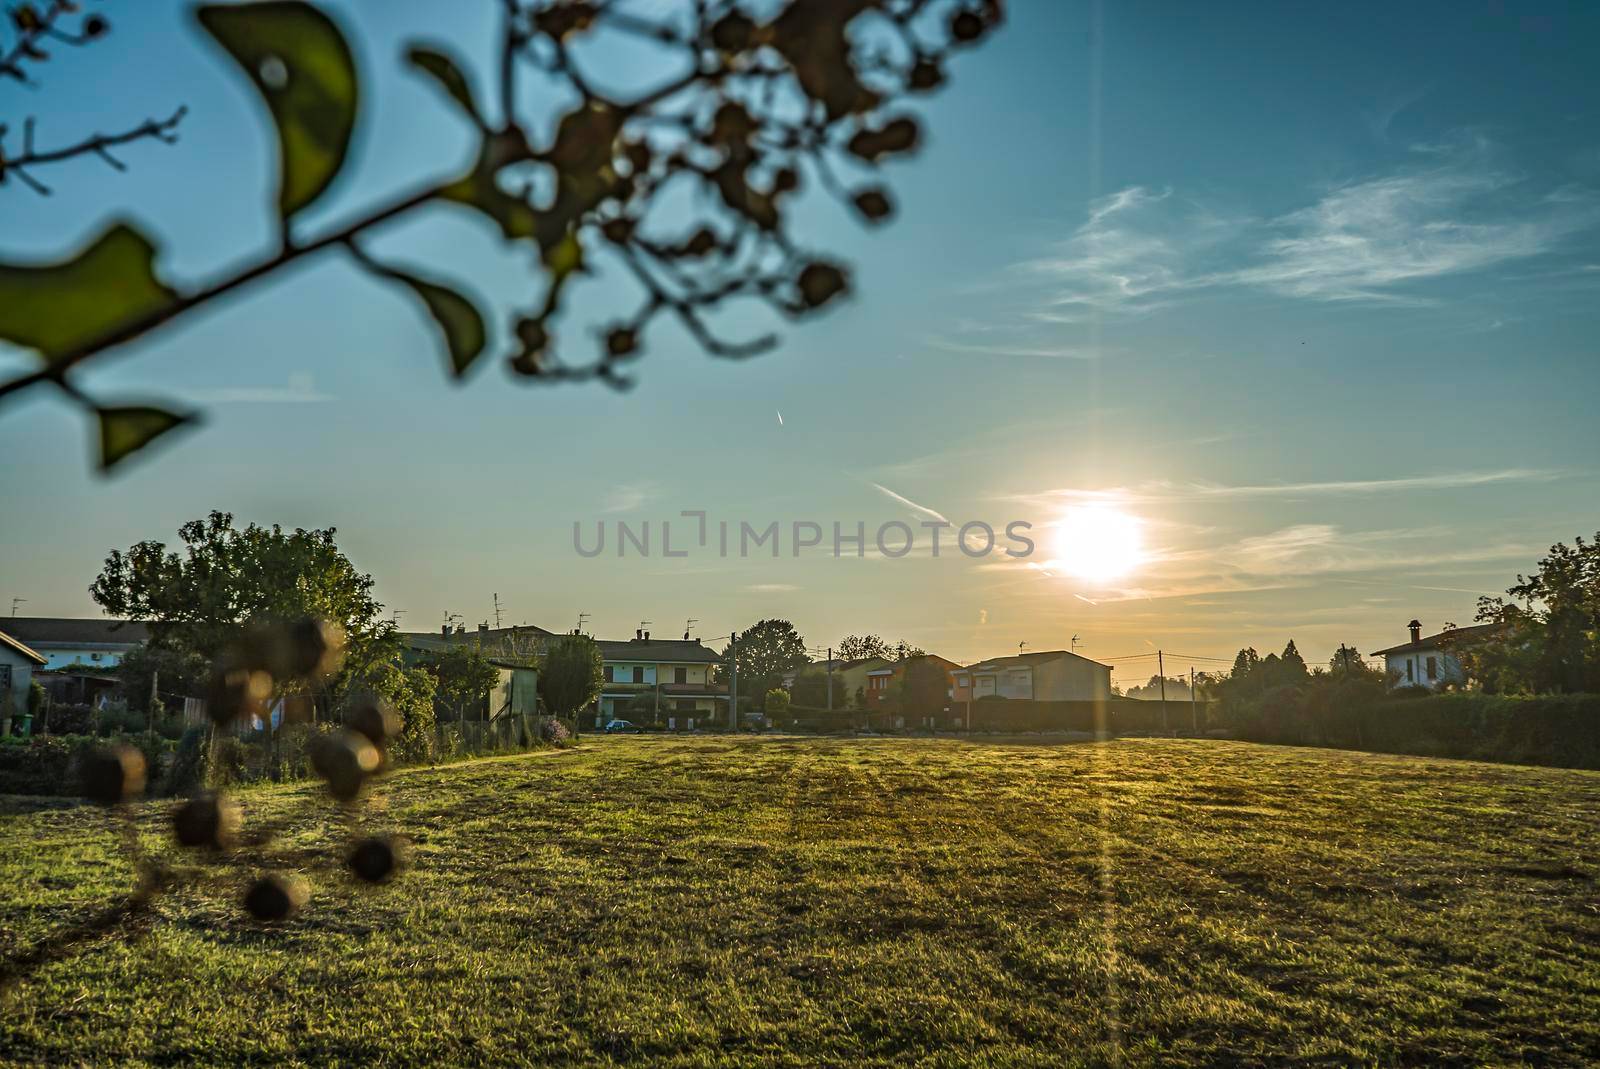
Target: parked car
point(623, 727)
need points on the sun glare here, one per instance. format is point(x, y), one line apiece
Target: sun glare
point(1098, 543)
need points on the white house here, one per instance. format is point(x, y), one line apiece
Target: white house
point(1427, 661)
point(95, 643)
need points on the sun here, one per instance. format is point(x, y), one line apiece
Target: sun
point(1098, 543)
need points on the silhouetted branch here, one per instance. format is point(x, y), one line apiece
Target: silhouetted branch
point(100, 145)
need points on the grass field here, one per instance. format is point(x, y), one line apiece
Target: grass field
point(801, 901)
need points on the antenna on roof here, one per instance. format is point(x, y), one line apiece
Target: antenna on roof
point(1019, 648)
point(689, 626)
point(497, 612)
point(1074, 647)
point(15, 602)
point(582, 616)
point(395, 616)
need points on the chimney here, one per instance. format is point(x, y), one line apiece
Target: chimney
point(647, 636)
point(483, 627)
point(445, 631)
point(1416, 630)
point(638, 633)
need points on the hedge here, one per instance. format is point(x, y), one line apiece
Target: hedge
point(48, 764)
point(1561, 730)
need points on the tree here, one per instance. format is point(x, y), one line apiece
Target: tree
point(1291, 664)
point(465, 677)
point(924, 688)
point(571, 674)
point(1244, 665)
point(811, 689)
point(747, 103)
point(768, 651)
point(860, 647)
point(228, 584)
point(1177, 689)
point(776, 703)
point(173, 669)
point(410, 692)
point(1550, 642)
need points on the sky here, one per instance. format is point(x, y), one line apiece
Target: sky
point(1304, 304)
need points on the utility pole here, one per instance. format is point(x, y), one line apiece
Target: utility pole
point(733, 681)
point(1161, 670)
point(1194, 702)
point(830, 679)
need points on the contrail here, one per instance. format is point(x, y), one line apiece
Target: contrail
point(906, 501)
point(780, 416)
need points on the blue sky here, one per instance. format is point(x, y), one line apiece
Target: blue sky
point(1312, 297)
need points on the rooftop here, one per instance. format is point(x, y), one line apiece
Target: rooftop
point(1028, 660)
point(1434, 642)
point(70, 631)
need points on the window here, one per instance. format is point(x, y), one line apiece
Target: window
point(680, 675)
point(638, 673)
point(961, 681)
point(610, 674)
point(94, 656)
point(685, 705)
point(1411, 670)
point(5, 679)
point(1433, 668)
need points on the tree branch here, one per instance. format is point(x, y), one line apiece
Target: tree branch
point(99, 144)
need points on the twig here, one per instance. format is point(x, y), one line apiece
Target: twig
point(99, 144)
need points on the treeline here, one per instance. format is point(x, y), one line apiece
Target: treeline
point(1529, 690)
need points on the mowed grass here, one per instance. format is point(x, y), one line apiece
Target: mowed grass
point(713, 901)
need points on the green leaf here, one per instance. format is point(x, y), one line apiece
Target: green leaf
point(126, 430)
point(56, 308)
point(458, 317)
point(442, 69)
point(303, 69)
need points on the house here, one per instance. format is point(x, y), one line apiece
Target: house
point(882, 681)
point(1047, 676)
point(17, 665)
point(853, 675)
point(523, 641)
point(1428, 662)
point(673, 676)
point(97, 643)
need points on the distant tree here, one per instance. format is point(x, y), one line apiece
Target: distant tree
point(229, 582)
point(924, 688)
point(811, 689)
point(465, 677)
point(1291, 664)
point(571, 674)
point(904, 650)
point(776, 702)
point(1245, 663)
point(1176, 689)
point(766, 652)
point(410, 692)
point(174, 669)
point(1551, 641)
point(860, 647)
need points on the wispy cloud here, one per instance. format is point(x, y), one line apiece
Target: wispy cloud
point(1164, 491)
point(1366, 240)
point(771, 588)
point(629, 497)
point(300, 390)
point(1043, 352)
point(910, 504)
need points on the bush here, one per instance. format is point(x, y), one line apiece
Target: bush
point(1562, 730)
point(48, 764)
point(71, 719)
point(555, 732)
